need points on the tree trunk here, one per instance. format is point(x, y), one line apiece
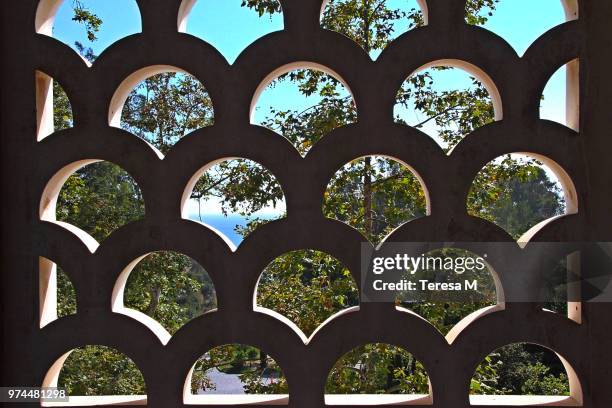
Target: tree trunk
point(155, 294)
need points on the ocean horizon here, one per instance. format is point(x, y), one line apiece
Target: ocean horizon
point(226, 224)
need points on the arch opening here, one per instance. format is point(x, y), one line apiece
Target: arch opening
point(448, 99)
point(164, 290)
point(520, 22)
point(97, 374)
point(91, 198)
point(208, 20)
point(521, 193)
point(525, 374)
point(87, 24)
point(236, 373)
point(161, 104)
point(303, 102)
point(375, 195)
point(373, 25)
point(376, 374)
point(562, 292)
point(233, 197)
point(305, 289)
point(452, 288)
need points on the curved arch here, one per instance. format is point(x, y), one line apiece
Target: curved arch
point(208, 21)
point(422, 5)
point(191, 183)
point(45, 16)
point(223, 399)
point(52, 376)
point(48, 201)
point(183, 14)
point(571, 9)
point(347, 309)
point(569, 193)
point(574, 399)
point(499, 301)
point(128, 84)
point(476, 72)
point(360, 398)
point(118, 306)
point(567, 185)
point(405, 166)
point(47, 11)
point(263, 84)
point(47, 291)
point(44, 105)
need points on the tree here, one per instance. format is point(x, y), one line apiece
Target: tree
point(307, 287)
point(377, 369)
point(525, 369)
point(374, 194)
point(165, 107)
point(101, 197)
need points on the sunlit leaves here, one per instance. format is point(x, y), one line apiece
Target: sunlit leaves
point(377, 369)
point(375, 195)
point(304, 128)
point(99, 198)
point(89, 19)
point(165, 107)
point(100, 370)
point(306, 287)
point(242, 186)
point(171, 288)
point(521, 369)
point(477, 12)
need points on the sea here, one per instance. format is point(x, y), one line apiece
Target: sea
point(227, 224)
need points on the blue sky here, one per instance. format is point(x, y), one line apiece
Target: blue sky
point(231, 28)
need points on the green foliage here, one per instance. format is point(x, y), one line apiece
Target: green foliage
point(243, 186)
point(66, 295)
point(523, 369)
point(524, 204)
point(100, 370)
point(171, 288)
point(391, 193)
point(304, 128)
point(373, 194)
point(99, 198)
point(62, 111)
point(165, 107)
point(477, 12)
point(90, 21)
point(307, 287)
point(456, 112)
point(369, 23)
point(443, 309)
point(515, 194)
point(377, 369)
point(263, 6)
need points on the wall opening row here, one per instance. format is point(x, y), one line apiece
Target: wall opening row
point(99, 24)
point(372, 374)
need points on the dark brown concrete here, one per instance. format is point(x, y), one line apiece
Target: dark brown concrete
point(28, 352)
